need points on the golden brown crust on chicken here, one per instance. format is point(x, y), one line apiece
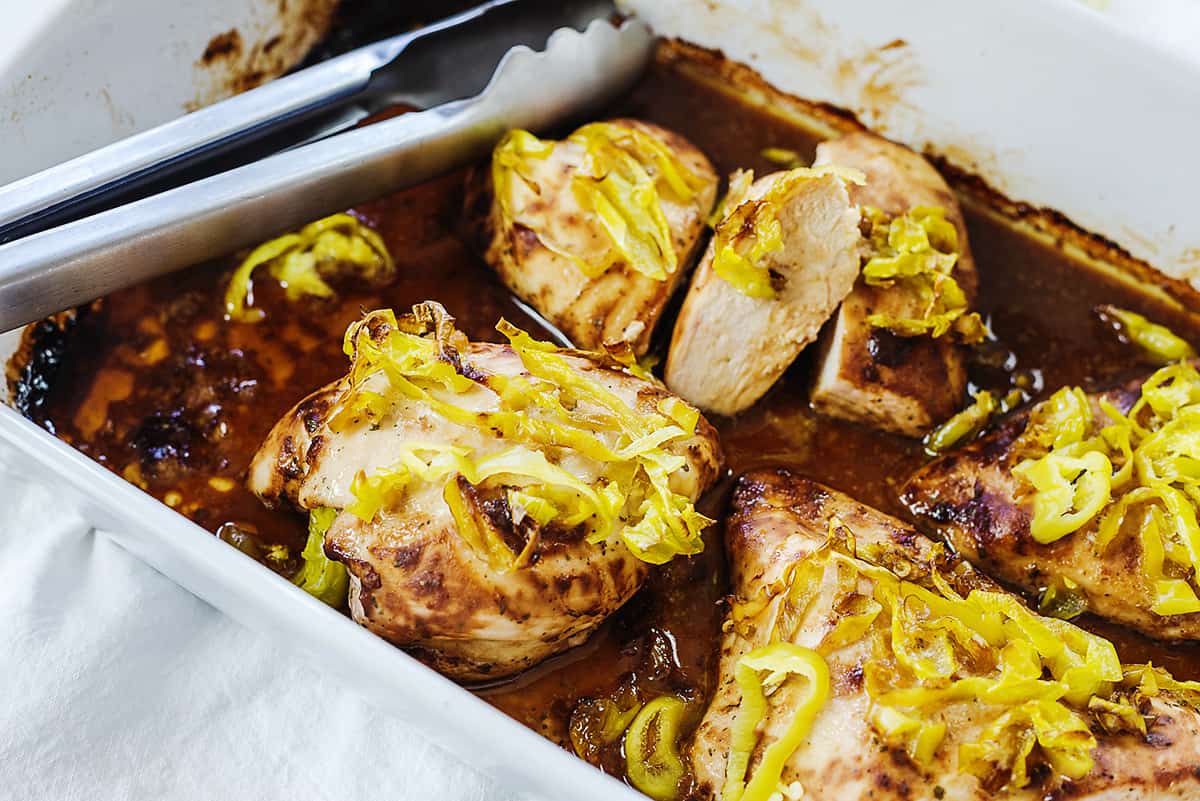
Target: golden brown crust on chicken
point(901, 384)
point(777, 519)
point(970, 498)
point(621, 305)
point(416, 583)
point(729, 348)
point(413, 577)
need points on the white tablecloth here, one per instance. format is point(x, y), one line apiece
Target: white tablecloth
point(119, 685)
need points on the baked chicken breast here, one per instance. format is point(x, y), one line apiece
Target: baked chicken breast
point(597, 230)
point(903, 381)
point(492, 503)
point(862, 661)
point(783, 256)
point(1082, 494)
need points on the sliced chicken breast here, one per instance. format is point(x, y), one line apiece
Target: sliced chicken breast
point(729, 346)
point(906, 385)
point(808, 565)
point(972, 500)
point(549, 243)
point(416, 577)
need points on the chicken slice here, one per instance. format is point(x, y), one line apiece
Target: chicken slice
point(905, 385)
point(780, 528)
point(543, 236)
point(417, 578)
point(971, 498)
point(729, 346)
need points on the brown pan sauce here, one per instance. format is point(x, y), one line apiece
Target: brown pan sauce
point(153, 383)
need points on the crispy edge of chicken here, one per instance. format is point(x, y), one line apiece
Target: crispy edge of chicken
point(970, 498)
point(413, 579)
point(776, 519)
point(905, 385)
point(728, 348)
point(618, 306)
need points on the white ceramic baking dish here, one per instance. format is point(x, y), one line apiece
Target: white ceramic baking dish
point(1046, 101)
point(78, 74)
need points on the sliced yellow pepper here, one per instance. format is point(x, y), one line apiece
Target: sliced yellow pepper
point(1063, 419)
point(963, 426)
point(779, 660)
point(1071, 490)
point(916, 252)
point(298, 260)
point(320, 576)
point(1160, 344)
point(750, 230)
point(625, 175)
point(652, 759)
point(551, 406)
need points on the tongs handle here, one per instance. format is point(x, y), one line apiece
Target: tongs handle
point(113, 174)
point(102, 177)
point(86, 259)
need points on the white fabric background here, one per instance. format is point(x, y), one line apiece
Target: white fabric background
point(116, 684)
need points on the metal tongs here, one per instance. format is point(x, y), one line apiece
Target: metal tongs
point(483, 55)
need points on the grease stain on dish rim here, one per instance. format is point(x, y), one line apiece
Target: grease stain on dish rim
point(239, 58)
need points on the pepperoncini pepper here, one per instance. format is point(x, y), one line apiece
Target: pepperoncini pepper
point(779, 661)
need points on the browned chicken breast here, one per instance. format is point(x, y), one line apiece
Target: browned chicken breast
point(595, 231)
point(782, 258)
point(905, 384)
point(1123, 541)
point(862, 661)
point(492, 503)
